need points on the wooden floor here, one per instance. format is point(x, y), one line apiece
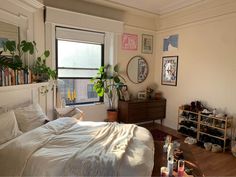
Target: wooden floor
point(211, 164)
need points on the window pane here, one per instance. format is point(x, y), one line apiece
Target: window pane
point(79, 55)
point(77, 91)
point(76, 73)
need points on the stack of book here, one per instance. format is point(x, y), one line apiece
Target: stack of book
point(10, 77)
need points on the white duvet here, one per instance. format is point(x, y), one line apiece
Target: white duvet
point(67, 147)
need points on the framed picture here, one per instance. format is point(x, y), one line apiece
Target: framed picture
point(142, 95)
point(169, 70)
point(129, 41)
point(147, 43)
point(170, 43)
point(124, 93)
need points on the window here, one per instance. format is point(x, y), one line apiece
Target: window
point(79, 56)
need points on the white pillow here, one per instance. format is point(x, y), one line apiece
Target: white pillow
point(8, 127)
point(30, 117)
point(70, 112)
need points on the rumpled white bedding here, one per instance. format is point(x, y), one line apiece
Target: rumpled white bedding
point(68, 147)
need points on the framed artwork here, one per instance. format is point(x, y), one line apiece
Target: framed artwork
point(169, 70)
point(129, 41)
point(147, 43)
point(170, 43)
point(142, 95)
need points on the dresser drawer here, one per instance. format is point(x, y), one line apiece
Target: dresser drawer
point(141, 110)
point(160, 103)
point(156, 112)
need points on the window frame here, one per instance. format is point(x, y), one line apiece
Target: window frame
point(101, 99)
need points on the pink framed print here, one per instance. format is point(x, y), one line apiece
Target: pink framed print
point(129, 41)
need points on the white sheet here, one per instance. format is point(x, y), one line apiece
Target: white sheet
point(57, 149)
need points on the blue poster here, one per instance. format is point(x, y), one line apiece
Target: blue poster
point(170, 43)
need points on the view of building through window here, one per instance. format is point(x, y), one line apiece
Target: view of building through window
point(78, 91)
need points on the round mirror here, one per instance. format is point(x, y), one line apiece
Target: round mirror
point(137, 69)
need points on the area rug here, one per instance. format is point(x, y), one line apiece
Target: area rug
point(159, 135)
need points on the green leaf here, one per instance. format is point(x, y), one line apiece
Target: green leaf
point(116, 79)
point(116, 68)
point(10, 46)
point(46, 53)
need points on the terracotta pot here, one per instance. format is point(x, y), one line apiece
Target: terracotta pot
point(112, 115)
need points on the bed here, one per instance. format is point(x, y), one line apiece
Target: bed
point(71, 147)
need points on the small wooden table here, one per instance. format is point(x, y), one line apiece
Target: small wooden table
point(161, 159)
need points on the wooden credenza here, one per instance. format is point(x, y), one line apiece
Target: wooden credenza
point(135, 111)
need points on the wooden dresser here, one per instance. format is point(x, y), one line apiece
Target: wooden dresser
point(135, 111)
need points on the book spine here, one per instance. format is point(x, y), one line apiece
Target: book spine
point(29, 76)
point(6, 77)
point(26, 76)
point(22, 72)
point(18, 77)
point(0, 76)
point(3, 78)
point(13, 77)
point(9, 77)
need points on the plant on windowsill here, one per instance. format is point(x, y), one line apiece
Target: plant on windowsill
point(108, 82)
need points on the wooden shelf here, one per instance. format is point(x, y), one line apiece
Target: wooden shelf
point(23, 86)
point(217, 118)
point(227, 121)
point(211, 135)
point(222, 129)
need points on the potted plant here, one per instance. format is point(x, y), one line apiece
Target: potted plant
point(108, 82)
point(41, 71)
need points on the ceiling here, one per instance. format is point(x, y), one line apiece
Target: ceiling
point(158, 7)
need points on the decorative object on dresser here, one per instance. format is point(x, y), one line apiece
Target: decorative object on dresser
point(135, 111)
point(206, 126)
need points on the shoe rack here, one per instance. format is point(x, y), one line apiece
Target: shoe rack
point(205, 128)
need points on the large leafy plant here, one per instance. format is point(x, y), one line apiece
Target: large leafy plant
point(16, 52)
point(108, 82)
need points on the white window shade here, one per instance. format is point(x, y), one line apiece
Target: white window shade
point(79, 35)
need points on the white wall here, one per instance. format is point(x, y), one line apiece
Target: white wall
point(207, 65)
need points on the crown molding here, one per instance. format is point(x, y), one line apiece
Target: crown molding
point(207, 10)
point(29, 5)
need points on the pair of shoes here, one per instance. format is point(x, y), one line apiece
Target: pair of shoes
point(190, 140)
point(216, 148)
point(213, 147)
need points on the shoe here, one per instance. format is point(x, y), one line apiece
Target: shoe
point(216, 148)
point(190, 140)
point(208, 146)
